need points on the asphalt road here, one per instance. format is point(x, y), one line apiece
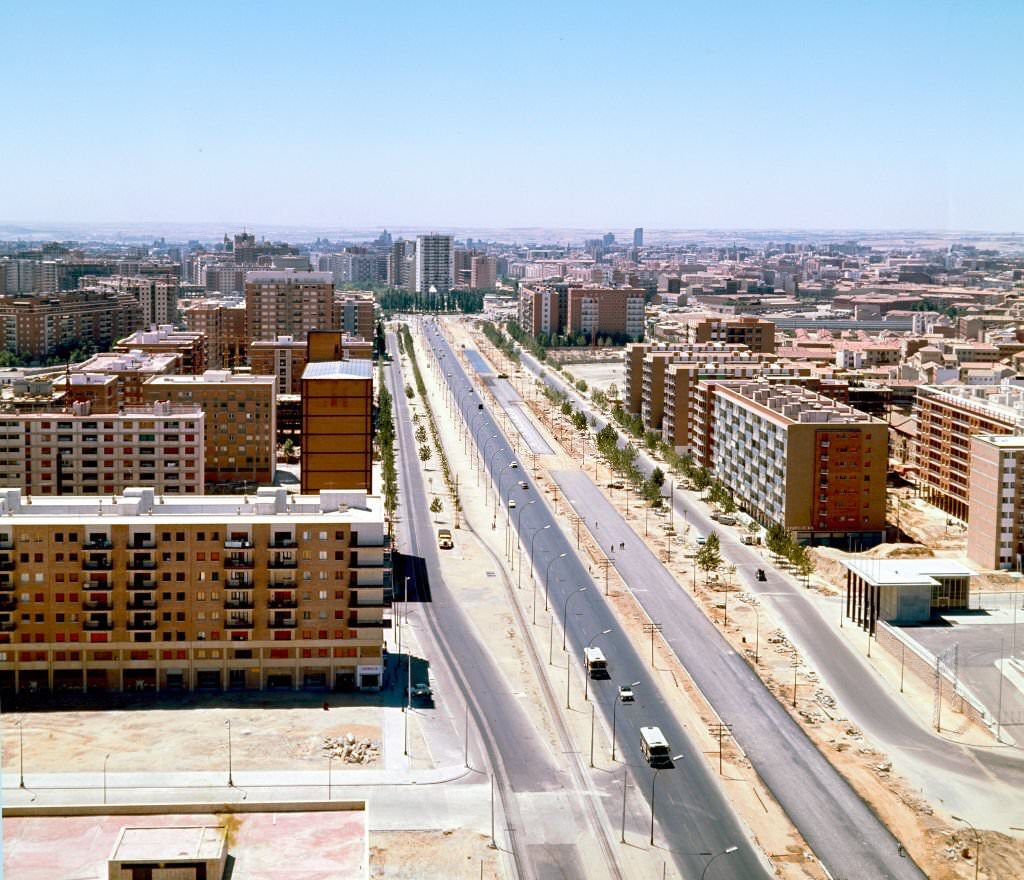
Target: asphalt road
point(969, 781)
point(844, 833)
point(693, 814)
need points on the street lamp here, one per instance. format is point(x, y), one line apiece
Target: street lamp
point(586, 678)
point(231, 778)
point(615, 707)
point(565, 614)
point(533, 539)
point(654, 779)
point(977, 844)
point(490, 467)
point(518, 532)
point(105, 759)
point(547, 578)
point(728, 851)
point(21, 755)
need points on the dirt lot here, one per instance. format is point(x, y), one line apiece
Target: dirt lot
point(600, 375)
point(432, 855)
point(283, 732)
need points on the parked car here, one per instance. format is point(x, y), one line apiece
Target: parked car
point(420, 690)
point(615, 485)
point(701, 540)
point(761, 575)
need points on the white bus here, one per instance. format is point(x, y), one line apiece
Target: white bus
point(597, 666)
point(654, 746)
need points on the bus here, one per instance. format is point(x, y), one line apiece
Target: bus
point(444, 539)
point(655, 747)
point(594, 660)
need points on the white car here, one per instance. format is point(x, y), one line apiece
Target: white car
point(626, 693)
point(511, 502)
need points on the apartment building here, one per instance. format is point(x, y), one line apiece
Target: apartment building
point(355, 314)
point(81, 452)
point(132, 370)
point(285, 358)
point(190, 346)
point(755, 333)
point(995, 530)
point(617, 312)
point(240, 422)
point(542, 310)
point(289, 303)
point(337, 436)
point(101, 393)
point(799, 459)
point(435, 267)
point(157, 295)
point(224, 324)
point(947, 417)
point(45, 326)
point(139, 592)
point(483, 272)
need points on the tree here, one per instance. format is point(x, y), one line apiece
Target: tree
point(579, 420)
point(421, 434)
point(581, 386)
point(425, 453)
point(709, 556)
point(409, 392)
point(288, 448)
point(435, 505)
point(380, 346)
point(657, 477)
point(802, 560)
point(566, 408)
point(701, 479)
point(613, 391)
point(776, 539)
point(727, 503)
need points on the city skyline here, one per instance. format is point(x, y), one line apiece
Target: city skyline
point(520, 119)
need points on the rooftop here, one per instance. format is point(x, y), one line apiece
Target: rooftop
point(905, 572)
point(288, 276)
point(184, 843)
point(214, 377)
point(795, 403)
point(361, 369)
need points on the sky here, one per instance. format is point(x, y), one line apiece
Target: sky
point(681, 115)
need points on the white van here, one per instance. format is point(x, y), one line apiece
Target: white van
point(597, 665)
point(654, 746)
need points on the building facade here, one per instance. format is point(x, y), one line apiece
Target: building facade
point(240, 422)
point(995, 529)
point(435, 266)
point(189, 345)
point(798, 459)
point(617, 312)
point(85, 453)
point(225, 326)
point(138, 592)
point(337, 435)
point(288, 303)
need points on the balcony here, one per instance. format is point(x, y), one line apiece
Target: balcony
point(6, 587)
point(238, 544)
point(239, 562)
point(141, 584)
point(98, 626)
point(279, 563)
point(94, 565)
point(7, 564)
point(7, 626)
point(142, 544)
point(283, 624)
point(281, 585)
point(141, 625)
point(98, 605)
point(356, 623)
point(369, 603)
point(140, 564)
point(8, 603)
point(6, 544)
point(97, 544)
point(238, 624)
point(283, 544)
point(283, 603)
point(239, 604)
point(141, 604)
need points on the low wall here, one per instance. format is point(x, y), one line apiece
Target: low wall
point(210, 807)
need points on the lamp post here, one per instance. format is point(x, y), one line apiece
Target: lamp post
point(565, 615)
point(518, 531)
point(977, 844)
point(654, 779)
point(231, 778)
point(481, 455)
point(728, 851)
point(615, 707)
point(21, 755)
point(330, 761)
point(547, 578)
point(586, 678)
point(533, 539)
point(490, 466)
point(625, 787)
point(105, 759)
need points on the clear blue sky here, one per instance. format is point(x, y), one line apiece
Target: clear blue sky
point(822, 114)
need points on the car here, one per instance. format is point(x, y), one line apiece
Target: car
point(626, 693)
point(615, 485)
point(701, 540)
point(523, 484)
point(502, 375)
point(421, 690)
point(514, 465)
point(511, 502)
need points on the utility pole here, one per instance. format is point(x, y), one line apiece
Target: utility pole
point(652, 628)
point(721, 730)
point(606, 564)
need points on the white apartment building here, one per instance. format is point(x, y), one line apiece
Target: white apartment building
point(435, 266)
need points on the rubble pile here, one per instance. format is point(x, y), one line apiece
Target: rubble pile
point(351, 750)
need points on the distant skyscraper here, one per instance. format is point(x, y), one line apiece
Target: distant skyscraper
point(609, 239)
point(638, 237)
point(434, 263)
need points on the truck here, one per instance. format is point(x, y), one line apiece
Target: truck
point(594, 660)
point(444, 539)
point(655, 747)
